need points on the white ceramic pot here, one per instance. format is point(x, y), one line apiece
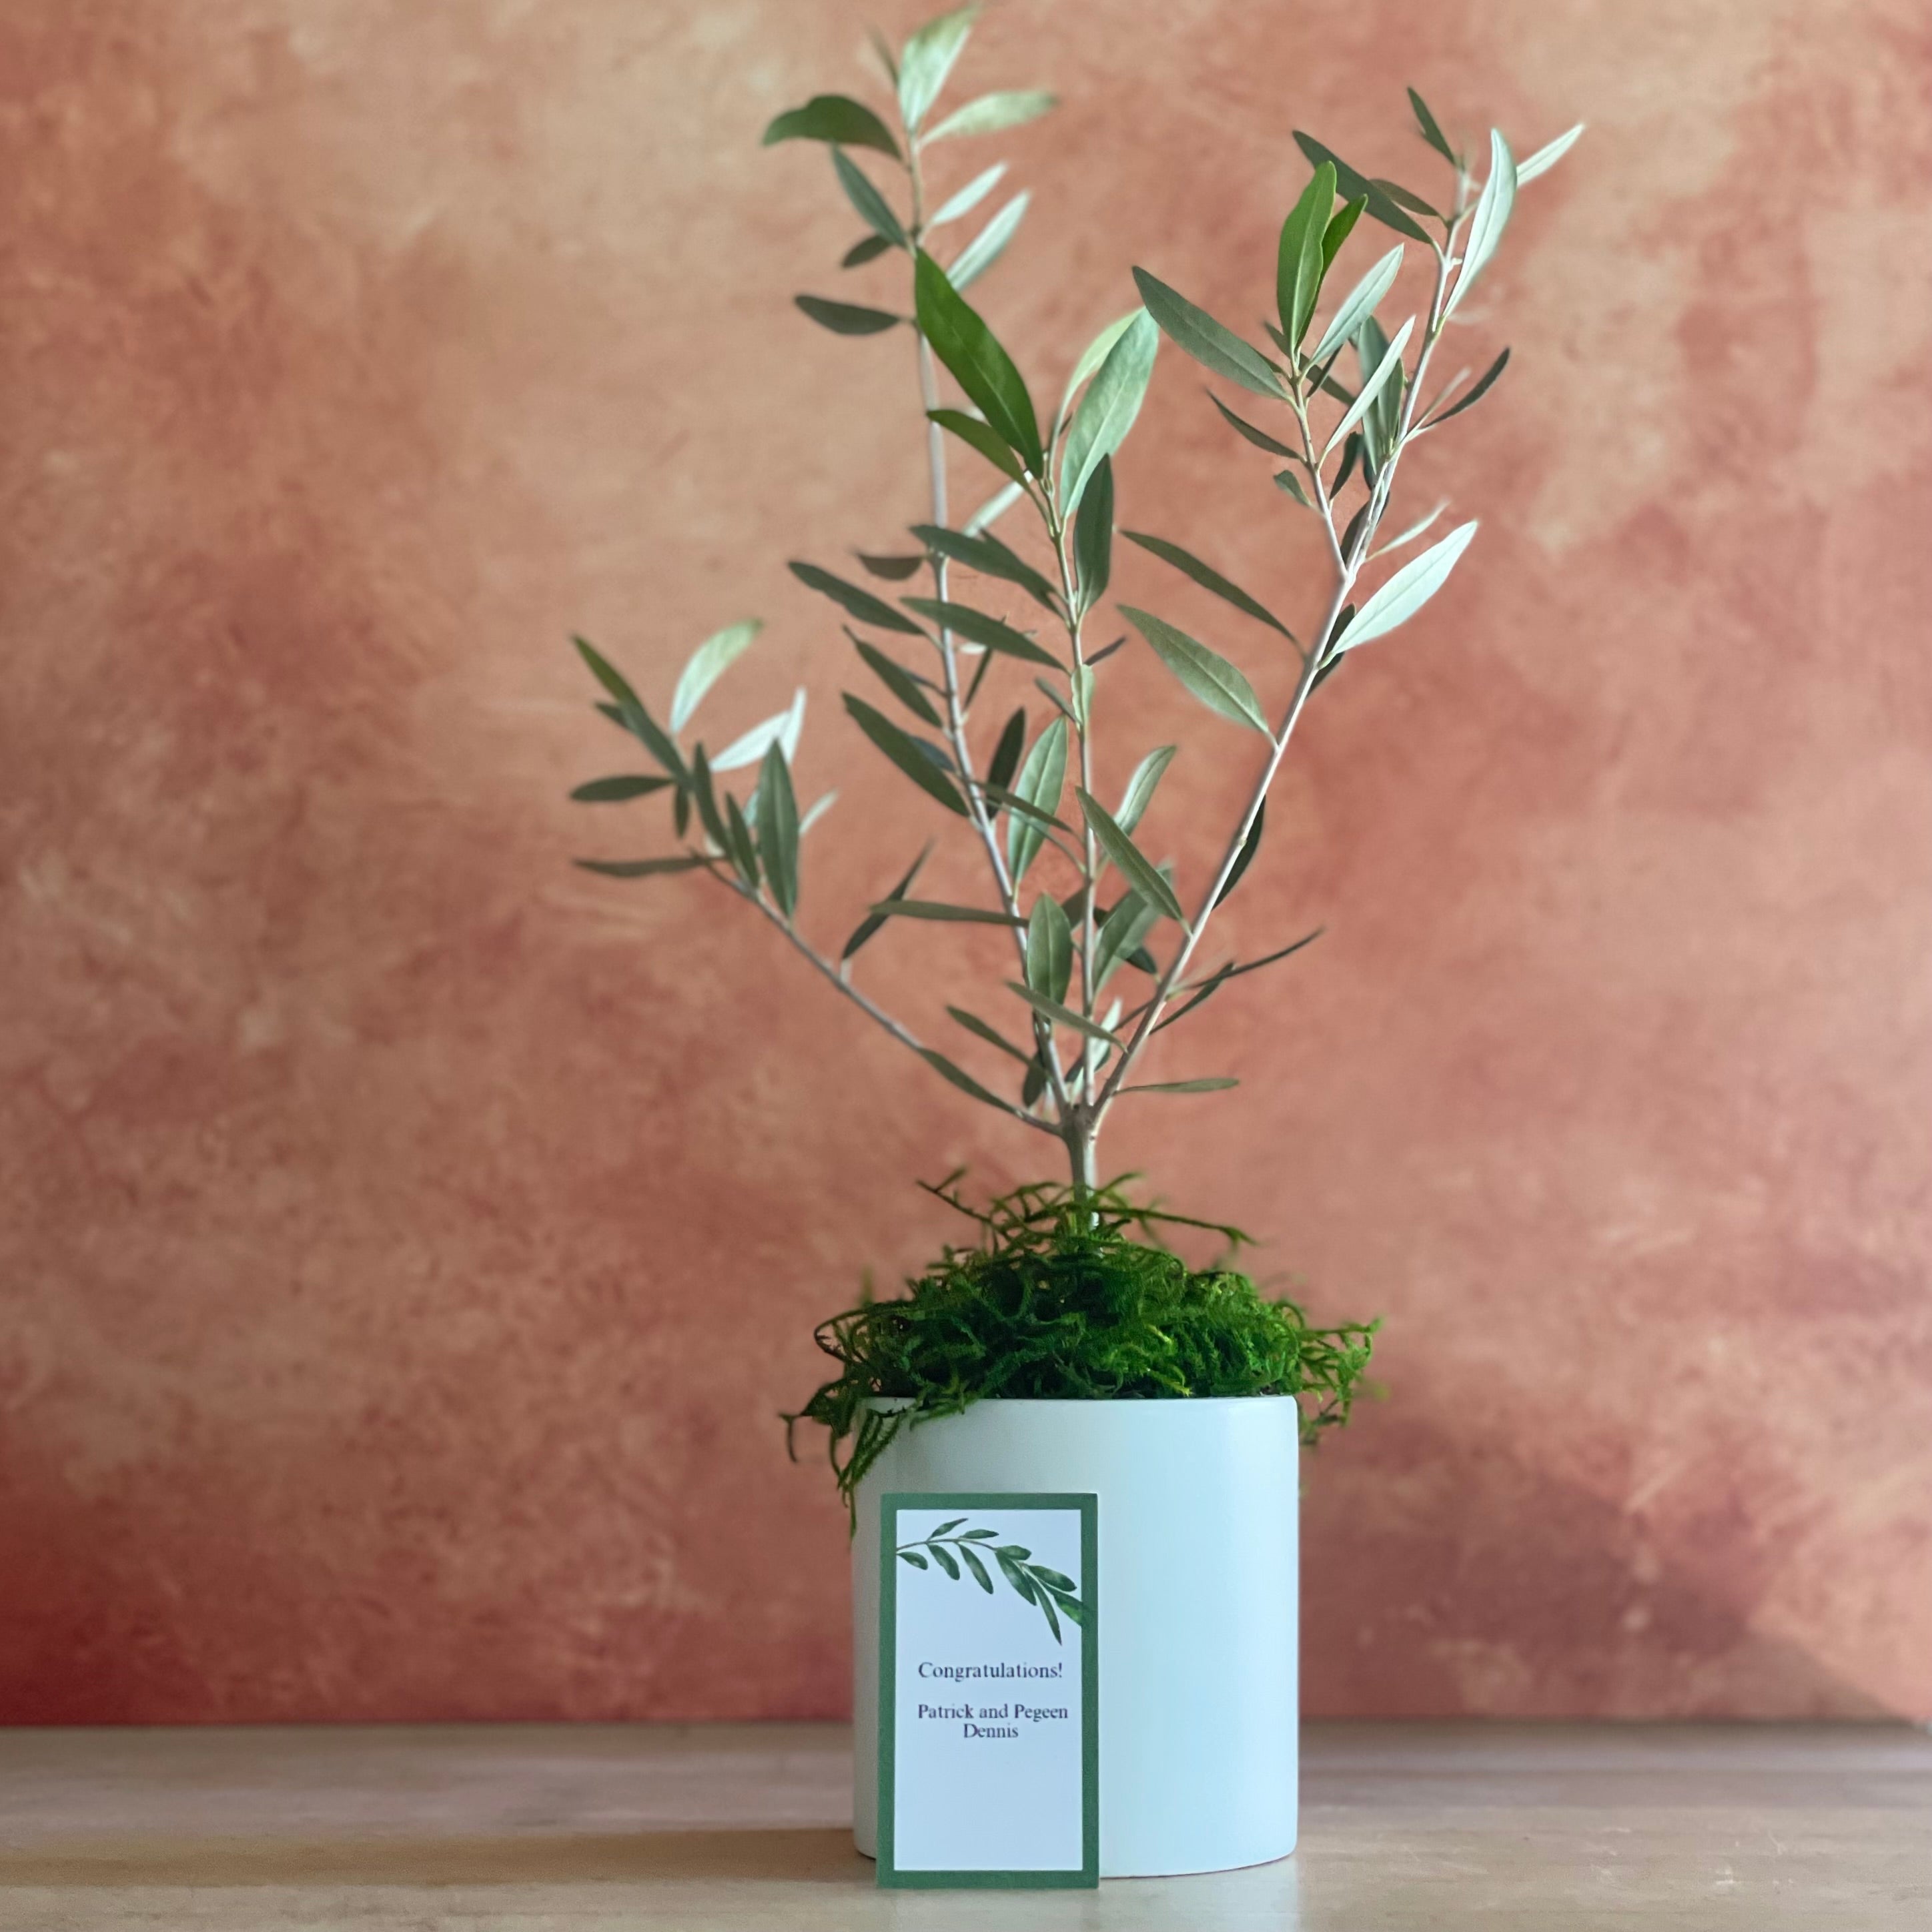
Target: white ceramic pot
point(1198, 1609)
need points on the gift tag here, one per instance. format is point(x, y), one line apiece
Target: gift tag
point(988, 1707)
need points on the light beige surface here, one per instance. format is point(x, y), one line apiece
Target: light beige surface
point(518, 1828)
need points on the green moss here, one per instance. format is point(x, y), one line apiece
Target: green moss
point(1059, 1299)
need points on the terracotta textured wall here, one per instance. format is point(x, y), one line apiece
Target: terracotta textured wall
point(405, 1240)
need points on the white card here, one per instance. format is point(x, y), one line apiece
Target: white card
point(988, 1707)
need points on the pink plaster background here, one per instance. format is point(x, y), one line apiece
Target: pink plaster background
point(405, 1241)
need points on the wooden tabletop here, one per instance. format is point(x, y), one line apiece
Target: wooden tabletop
point(515, 1827)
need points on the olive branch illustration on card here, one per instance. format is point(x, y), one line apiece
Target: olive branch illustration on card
point(958, 1553)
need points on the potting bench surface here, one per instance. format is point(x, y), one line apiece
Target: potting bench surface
point(515, 1827)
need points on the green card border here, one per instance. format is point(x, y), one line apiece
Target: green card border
point(1087, 1503)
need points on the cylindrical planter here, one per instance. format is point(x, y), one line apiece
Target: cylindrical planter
point(1199, 1598)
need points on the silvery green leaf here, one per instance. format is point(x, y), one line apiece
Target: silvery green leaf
point(873, 207)
point(1244, 428)
point(1432, 132)
point(706, 664)
point(1493, 207)
point(1287, 480)
point(833, 117)
point(962, 1080)
point(988, 556)
point(1140, 791)
point(927, 58)
point(1049, 953)
point(861, 604)
point(782, 730)
point(962, 340)
point(898, 681)
point(973, 1023)
point(979, 629)
point(995, 507)
point(1413, 531)
point(1063, 1015)
point(1213, 346)
point(1123, 931)
point(1210, 676)
point(848, 318)
point(989, 245)
point(1408, 590)
point(1370, 389)
point(1359, 304)
point(992, 111)
point(1042, 776)
point(778, 830)
point(819, 809)
point(1107, 411)
point(1141, 875)
point(1213, 1083)
point(1544, 159)
point(1355, 185)
point(1093, 545)
point(1208, 578)
point(871, 923)
point(631, 713)
point(1096, 352)
point(912, 755)
point(968, 198)
point(1483, 385)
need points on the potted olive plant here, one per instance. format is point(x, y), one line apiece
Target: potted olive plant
point(1043, 1356)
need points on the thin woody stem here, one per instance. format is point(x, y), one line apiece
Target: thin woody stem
point(1348, 566)
point(900, 1032)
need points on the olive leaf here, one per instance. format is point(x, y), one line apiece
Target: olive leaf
point(861, 604)
point(989, 245)
point(1351, 183)
point(783, 728)
point(706, 664)
point(1407, 591)
point(992, 112)
point(636, 869)
point(1357, 305)
point(1005, 759)
point(1049, 951)
point(1371, 387)
point(835, 118)
point(1094, 535)
point(1143, 878)
point(927, 58)
point(978, 628)
point(1213, 346)
point(1210, 676)
point(1493, 208)
point(1245, 857)
point(1139, 793)
point(1431, 132)
point(968, 198)
point(870, 206)
point(1243, 427)
point(1064, 1016)
point(1301, 262)
point(974, 1024)
point(609, 791)
point(1476, 393)
point(989, 557)
point(1109, 409)
point(1208, 578)
point(1547, 157)
point(898, 681)
point(978, 364)
point(909, 753)
point(873, 921)
point(979, 436)
point(1042, 777)
point(778, 830)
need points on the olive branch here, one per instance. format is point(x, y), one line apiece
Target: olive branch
point(1066, 1050)
point(1052, 1593)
